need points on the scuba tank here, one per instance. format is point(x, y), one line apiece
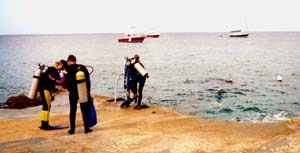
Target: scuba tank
point(35, 82)
point(81, 87)
point(140, 69)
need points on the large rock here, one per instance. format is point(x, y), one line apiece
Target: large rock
point(22, 101)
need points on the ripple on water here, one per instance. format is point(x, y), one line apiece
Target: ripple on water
point(253, 109)
point(225, 110)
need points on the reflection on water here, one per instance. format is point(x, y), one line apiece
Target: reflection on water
point(186, 70)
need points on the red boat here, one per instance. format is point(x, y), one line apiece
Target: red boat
point(152, 35)
point(132, 38)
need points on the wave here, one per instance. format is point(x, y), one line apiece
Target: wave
point(254, 109)
point(281, 116)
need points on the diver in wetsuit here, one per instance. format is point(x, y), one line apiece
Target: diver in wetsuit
point(70, 83)
point(127, 82)
point(46, 87)
point(134, 82)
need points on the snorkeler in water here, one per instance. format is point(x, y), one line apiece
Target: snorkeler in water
point(219, 96)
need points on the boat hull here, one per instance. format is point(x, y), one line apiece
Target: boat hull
point(239, 34)
point(132, 39)
point(153, 36)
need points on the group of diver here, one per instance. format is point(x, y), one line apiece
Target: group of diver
point(76, 79)
point(134, 80)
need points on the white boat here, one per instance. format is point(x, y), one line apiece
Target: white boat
point(238, 33)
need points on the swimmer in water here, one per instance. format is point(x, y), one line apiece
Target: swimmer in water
point(219, 96)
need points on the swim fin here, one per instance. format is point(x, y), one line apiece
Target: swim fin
point(57, 127)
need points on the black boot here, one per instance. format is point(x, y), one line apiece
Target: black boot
point(87, 130)
point(72, 129)
point(45, 125)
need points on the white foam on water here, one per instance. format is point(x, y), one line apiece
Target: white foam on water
point(281, 116)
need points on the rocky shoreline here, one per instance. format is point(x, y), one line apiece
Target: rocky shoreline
point(155, 129)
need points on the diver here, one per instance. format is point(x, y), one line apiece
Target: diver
point(128, 69)
point(46, 88)
point(135, 78)
point(70, 83)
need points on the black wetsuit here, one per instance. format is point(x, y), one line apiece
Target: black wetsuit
point(137, 84)
point(46, 88)
point(45, 83)
point(134, 82)
point(71, 84)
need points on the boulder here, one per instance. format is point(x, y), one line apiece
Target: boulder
point(22, 101)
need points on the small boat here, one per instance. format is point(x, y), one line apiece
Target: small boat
point(152, 35)
point(132, 38)
point(238, 34)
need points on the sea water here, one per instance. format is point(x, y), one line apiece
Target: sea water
point(186, 70)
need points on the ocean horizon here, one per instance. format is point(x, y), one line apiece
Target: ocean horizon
point(122, 33)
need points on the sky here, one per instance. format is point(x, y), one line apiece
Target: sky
point(119, 16)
